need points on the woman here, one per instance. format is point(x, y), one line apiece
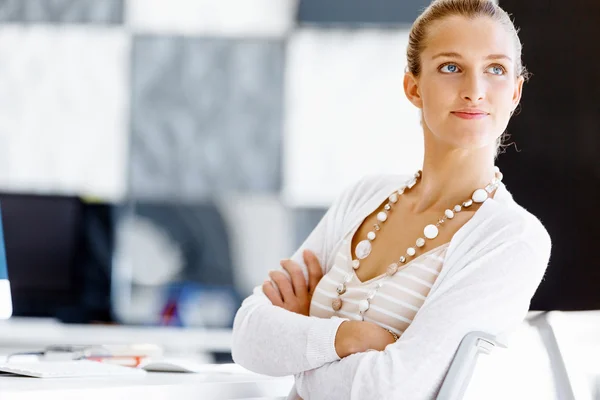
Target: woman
point(411, 264)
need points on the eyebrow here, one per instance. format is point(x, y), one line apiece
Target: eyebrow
point(456, 55)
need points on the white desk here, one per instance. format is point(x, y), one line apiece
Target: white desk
point(18, 334)
point(24, 334)
point(153, 386)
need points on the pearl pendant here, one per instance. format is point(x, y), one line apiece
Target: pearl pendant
point(363, 305)
point(479, 196)
point(363, 249)
point(336, 304)
point(381, 216)
point(431, 231)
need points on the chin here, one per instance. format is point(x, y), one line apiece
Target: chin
point(465, 134)
point(471, 140)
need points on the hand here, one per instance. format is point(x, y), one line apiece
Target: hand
point(359, 336)
point(294, 295)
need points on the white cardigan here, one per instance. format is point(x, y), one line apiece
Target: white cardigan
point(493, 266)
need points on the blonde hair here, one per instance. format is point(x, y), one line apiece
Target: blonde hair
point(440, 9)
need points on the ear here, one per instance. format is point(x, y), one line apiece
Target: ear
point(517, 92)
point(411, 90)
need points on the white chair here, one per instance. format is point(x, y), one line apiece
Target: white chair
point(459, 374)
point(485, 367)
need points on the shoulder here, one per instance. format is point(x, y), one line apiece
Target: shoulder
point(507, 219)
point(501, 231)
point(367, 190)
point(362, 196)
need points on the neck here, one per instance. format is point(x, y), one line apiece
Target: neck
point(450, 176)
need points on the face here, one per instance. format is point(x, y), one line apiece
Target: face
point(468, 86)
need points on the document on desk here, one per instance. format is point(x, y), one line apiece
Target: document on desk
point(189, 366)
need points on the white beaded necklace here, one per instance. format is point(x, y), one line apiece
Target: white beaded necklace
point(364, 247)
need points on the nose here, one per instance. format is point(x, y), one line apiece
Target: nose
point(473, 88)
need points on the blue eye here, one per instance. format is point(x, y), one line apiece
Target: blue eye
point(452, 68)
point(497, 70)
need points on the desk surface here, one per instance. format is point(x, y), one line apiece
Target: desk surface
point(19, 334)
point(209, 386)
point(25, 333)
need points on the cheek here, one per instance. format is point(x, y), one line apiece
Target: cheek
point(502, 93)
point(502, 103)
point(438, 97)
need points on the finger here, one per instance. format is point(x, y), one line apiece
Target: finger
point(298, 280)
point(315, 272)
point(272, 294)
point(284, 285)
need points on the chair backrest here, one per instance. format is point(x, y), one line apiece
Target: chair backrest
point(465, 360)
point(518, 366)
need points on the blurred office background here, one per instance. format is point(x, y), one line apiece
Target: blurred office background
point(157, 158)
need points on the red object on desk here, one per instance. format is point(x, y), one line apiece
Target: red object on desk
point(127, 361)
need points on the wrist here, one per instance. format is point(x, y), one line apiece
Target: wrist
point(396, 337)
point(346, 338)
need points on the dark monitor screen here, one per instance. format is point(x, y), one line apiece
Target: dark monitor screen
point(43, 236)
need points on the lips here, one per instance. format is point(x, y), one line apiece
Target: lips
point(470, 114)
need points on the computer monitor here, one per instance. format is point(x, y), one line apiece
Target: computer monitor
point(5, 299)
point(42, 236)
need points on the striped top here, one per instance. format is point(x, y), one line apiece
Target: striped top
point(394, 305)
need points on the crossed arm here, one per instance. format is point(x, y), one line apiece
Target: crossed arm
point(295, 295)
